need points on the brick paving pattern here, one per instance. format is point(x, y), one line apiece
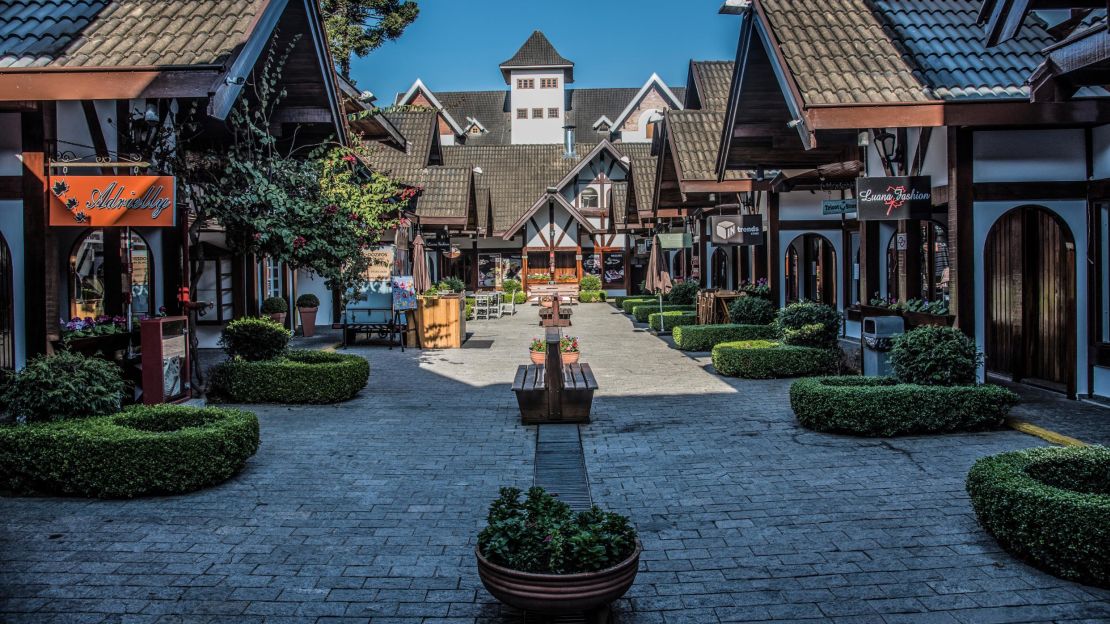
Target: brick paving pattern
point(368, 511)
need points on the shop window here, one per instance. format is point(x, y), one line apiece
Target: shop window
point(111, 273)
point(1103, 215)
point(811, 270)
point(7, 313)
point(215, 286)
point(589, 199)
point(614, 269)
point(933, 256)
point(271, 278)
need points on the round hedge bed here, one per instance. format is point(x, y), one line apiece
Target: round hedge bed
point(163, 449)
point(767, 359)
point(880, 406)
point(1049, 506)
point(296, 377)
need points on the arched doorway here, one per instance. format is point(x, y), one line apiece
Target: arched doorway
point(720, 268)
point(932, 258)
point(7, 308)
point(810, 270)
point(1029, 268)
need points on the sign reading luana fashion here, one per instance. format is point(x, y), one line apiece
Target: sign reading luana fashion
point(892, 199)
point(736, 230)
point(99, 201)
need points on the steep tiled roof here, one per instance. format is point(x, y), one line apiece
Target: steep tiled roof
point(122, 33)
point(890, 51)
point(446, 192)
point(490, 108)
point(695, 135)
point(404, 165)
point(620, 203)
point(537, 51)
point(588, 105)
point(713, 79)
point(643, 182)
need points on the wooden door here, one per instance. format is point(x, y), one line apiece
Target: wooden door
point(1030, 299)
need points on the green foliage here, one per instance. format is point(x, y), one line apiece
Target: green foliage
point(254, 339)
point(1050, 507)
point(590, 282)
point(63, 386)
point(358, 27)
point(683, 293)
point(935, 356)
point(520, 297)
point(511, 285)
point(643, 310)
point(765, 359)
point(308, 300)
point(451, 285)
point(809, 324)
point(163, 449)
point(705, 337)
point(877, 406)
point(666, 321)
point(298, 377)
point(751, 310)
point(274, 305)
point(591, 296)
point(541, 534)
point(628, 303)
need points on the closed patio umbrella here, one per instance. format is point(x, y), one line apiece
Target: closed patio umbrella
point(420, 281)
point(658, 275)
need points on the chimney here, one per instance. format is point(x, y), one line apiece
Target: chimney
point(568, 141)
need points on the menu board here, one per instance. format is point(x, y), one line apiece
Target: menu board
point(381, 264)
point(173, 360)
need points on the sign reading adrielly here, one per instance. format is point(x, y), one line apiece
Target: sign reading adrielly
point(100, 201)
point(891, 199)
point(736, 230)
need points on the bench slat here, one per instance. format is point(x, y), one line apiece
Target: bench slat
point(588, 377)
point(518, 381)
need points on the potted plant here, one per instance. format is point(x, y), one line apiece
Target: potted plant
point(538, 555)
point(276, 308)
point(537, 350)
point(879, 306)
point(307, 305)
point(922, 313)
point(568, 349)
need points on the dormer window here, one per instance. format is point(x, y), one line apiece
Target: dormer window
point(589, 199)
point(475, 129)
point(526, 83)
point(603, 128)
point(549, 83)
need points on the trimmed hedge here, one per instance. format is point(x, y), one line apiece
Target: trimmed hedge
point(62, 386)
point(298, 377)
point(254, 339)
point(880, 406)
point(765, 359)
point(705, 337)
point(161, 449)
point(1049, 506)
point(643, 310)
point(628, 303)
point(749, 310)
point(666, 321)
point(591, 296)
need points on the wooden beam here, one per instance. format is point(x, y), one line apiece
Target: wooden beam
point(105, 85)
point(302, 114)
point(11, 187)
point(961, 228)
point(35, 233)
point(774, 258)
point(816, 224)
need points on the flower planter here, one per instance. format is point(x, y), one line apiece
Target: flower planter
point(558, 593)
point(571, 357)
point(924, 319)
point(866, 311)
point(109, 344)
point(278, 317)
point(308, 321)
point(539, 357)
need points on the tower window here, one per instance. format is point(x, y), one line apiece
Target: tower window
point(537, 113)
point(525, 83)
point(522, 113)
point(549, 83)
point(553, 112)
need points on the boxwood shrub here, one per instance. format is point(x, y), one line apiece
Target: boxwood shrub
point(935, 356)
point(591, 283)
point(809, 324)
point(766, 359)
point(683, 293)
point(628, 303)
point(297, 377)
point(254, 339)
point(705, 337)
point(643, 310)
point(163, 449)
point(591, 296)
point(1049, 506)
point(666, 321)
point(749, 310)
point(61, 386)
point(880, 406)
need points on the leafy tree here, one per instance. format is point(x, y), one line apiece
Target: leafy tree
point(357, 27)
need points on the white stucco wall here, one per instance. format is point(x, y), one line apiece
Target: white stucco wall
point(803, 205)
point(561, 219)
point(546, 130)
point(314, 284)
point(11, 145)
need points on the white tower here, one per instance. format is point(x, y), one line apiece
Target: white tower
point(537, 76)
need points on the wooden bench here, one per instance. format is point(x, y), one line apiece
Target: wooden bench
point(555, 316)
point(553, 393)
point(568, 292)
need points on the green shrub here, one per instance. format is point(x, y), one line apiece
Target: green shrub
point(511, 285)
point(470, 303)
point(451, 285)
point(520, 297)
point(641, 312)
point(591, 296)
point(274, 305)
point(935, 356)
point(666, 321)
point(590, 282)
point(298, 377)
point(705, 337)
point(163, 449)
point(877, 406)
point(765, 359)
point(631, 302)
point(63, 386)
point(1049, 506)
point(809, 324)
point(254, 339)
point(543, 535)
point(751, 310)
point(683, 293)
point(308, 300)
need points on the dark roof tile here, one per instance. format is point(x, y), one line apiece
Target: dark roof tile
point(537, 51)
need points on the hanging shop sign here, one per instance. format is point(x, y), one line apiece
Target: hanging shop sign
point(679, 240)
point(104, 201)
point(895, 198)
point(736, 230)
point(838, 206)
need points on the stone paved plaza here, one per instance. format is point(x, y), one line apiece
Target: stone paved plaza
point(369, 510)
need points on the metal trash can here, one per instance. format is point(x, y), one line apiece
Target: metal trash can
point(878, 334)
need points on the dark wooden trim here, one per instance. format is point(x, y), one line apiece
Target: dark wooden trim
point(1024, 191)
point(869, 251)
point(35, 263)
point(11, 187)
point(961, 228)
point(912, 256)
point(774, 257)
point(818, 224)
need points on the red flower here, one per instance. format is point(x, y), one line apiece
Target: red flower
point(331, 209)
point(353, 216)
point(258, 236)
point(350, 158)
point(299, 242)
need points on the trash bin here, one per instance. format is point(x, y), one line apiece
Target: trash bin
point(878, 334)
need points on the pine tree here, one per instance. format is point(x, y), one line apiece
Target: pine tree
point(357, 27)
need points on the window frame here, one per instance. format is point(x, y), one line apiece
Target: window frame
point(525, 83)
point(549, 83)
point(553, 109)
point(522, 113)
point(535, 116)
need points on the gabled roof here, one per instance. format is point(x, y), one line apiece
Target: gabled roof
point(619, 203)
point(537, 52)
point(654, 81)
point(421, 88)
point(447, 198)
point(642, 174)
point(604, 119)
point(692, 140)
point(489, 108)
point(405, 164)
point(541, 202)
point(709, 83)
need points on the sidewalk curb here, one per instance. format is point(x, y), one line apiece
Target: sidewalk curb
point(1042, 433)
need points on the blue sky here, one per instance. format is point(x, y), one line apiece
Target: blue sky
point(457, 45)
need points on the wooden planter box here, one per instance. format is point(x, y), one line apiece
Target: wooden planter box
point(108, 345)
point(924, 319)
point(441, 322)
point(870, 310)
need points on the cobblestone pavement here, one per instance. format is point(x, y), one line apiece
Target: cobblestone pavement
point(368, 510)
